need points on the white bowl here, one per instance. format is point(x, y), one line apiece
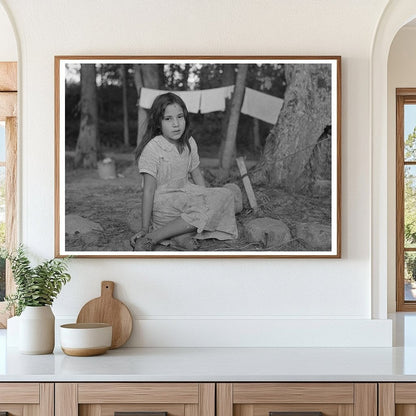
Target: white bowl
point(85, 339)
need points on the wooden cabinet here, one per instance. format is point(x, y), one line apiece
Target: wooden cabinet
point(27, 399)
point(264, 399)
point(397, 399)
point(106, 399)
point(222, 399)
point(208, 399)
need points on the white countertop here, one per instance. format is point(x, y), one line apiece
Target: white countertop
point(215, 364)
point(221, 364)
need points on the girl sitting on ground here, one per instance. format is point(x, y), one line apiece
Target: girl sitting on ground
point(173, 206)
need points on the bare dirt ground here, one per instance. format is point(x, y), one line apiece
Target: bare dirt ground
point(108, 202)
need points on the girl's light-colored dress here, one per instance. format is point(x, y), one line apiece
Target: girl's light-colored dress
point(210, 210)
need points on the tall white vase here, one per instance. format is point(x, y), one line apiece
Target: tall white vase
point(37, 330)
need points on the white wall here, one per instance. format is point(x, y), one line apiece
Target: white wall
point(211, 301)
point(8, 46)
point(401, 74)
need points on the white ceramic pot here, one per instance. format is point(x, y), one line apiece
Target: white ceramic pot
point(37, 330)
point(85, 339)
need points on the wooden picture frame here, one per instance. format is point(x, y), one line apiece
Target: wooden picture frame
point(285, 163)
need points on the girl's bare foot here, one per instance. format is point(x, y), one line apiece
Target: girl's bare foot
point(185, 242)
point(143, 244)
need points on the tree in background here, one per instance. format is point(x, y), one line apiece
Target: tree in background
point(87, 144)
point(410, 192)
point(237, 100)
point(228, 78)
point(118, 86)
point(116, 97)
point(409, 208)
point(148, 76)
point(176, 77)
point(123, 76)
point(303, 119)
point(410, 146)
point(269, 79)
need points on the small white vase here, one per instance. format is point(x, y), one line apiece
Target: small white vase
point(37, 330)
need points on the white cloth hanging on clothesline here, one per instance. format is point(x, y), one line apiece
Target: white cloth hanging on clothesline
point(192, 100)
point(204, 101)
point(147, 96)
point(213, 99)
point(255, 104)
point(262, 106)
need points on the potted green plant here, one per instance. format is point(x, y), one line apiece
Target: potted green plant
point(36, 289)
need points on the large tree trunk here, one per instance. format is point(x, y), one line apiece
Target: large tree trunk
point(305, 114)
point(227, 80)
point(123, 73)
point(87, 144)
point(316, 177)
point(145, 75)
point(236, 102)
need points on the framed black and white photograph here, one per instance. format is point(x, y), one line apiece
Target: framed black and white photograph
point(198, 156)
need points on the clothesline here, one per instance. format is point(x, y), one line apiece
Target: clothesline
point(255, 104)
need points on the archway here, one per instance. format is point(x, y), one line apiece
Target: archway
point(396, 15)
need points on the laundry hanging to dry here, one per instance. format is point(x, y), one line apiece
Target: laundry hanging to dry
point(213, 99)
point(262, 106)
point(256, 104)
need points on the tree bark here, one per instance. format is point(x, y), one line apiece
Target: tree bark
point(141, 112)
point(227, 80)
point(236, 102)
point(145, 75)
point(305, 114)
point(318, 167)
point(86, 151)
point(123, 74)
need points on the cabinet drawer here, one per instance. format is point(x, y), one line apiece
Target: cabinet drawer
point(293, 393)
point(21, 399)
point(309, 399)
point(19, 393)
point(138, 393)
point(147, 399)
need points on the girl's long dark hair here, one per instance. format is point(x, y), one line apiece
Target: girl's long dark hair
point(154, 122)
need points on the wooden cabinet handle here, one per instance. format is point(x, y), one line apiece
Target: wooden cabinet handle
point(139, 414)
point(295, 413)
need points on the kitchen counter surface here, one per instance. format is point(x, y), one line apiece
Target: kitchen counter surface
point(214, 364)
point(397, 363)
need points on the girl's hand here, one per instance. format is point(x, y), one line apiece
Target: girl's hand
point(136, 236)
point(197, 177)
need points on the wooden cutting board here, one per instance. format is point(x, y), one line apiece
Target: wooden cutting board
point(109, 310)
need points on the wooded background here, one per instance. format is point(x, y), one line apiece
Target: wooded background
point(102, 112)
point(118, 91)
